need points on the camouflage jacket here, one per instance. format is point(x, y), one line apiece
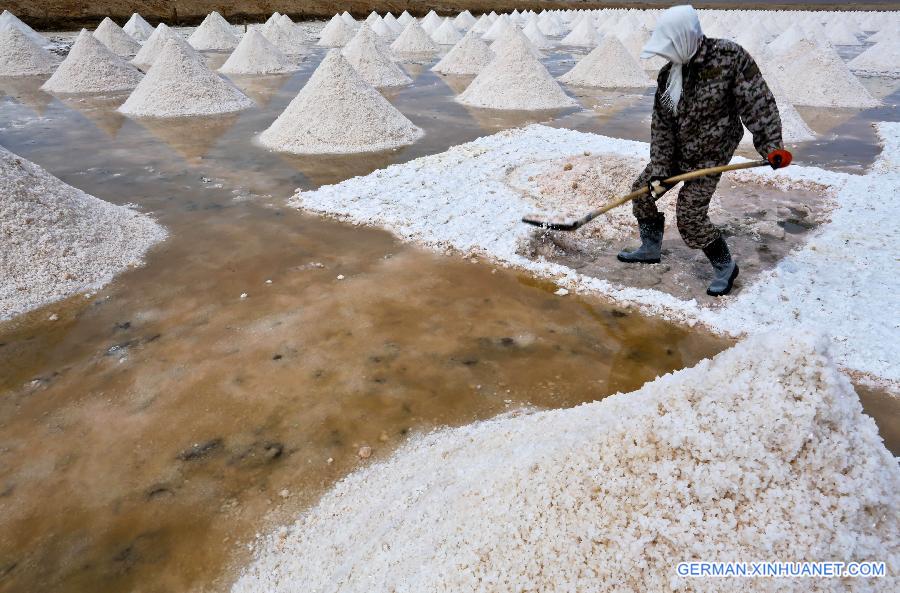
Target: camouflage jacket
point(722, 87)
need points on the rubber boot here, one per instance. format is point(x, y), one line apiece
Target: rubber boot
point(651, 230)
point(725, 269)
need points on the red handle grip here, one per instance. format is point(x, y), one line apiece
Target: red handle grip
point(780, 158)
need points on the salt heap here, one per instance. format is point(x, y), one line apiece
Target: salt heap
point(535, 36)
point(56, 241)
point(382, 29)
point(256, 55)
point(609, 65)
point(551, 25)
point(180, 84)
point(583, 35)
point(365, 54)
point(337, 112)
point(734, 458)
point(469, 56)
point(515, 80)
point(91, 68)
point(273, 18)
point(348, 18)
point(21, 56)
point(336, 33)
point(393, 23)
point(115, 39)
point(839, 33)
point(793, 128)
point(446, 34)
point(138, 28)
point(482, 25)
point(431, 22)
point(498, 28)
point(405, 18)
point(155, 44)
point(213, 34)
point(464, 21)
point(814, 74)
point(882, 59)
point(8, 19)
point(413, 40)
point(285, 35)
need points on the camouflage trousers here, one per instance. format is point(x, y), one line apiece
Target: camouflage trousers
point(691, 209)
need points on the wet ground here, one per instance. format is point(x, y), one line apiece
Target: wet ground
point(158, 425)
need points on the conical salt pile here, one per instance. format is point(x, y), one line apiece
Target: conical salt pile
point(272, 18)
point(839, 34)
point(382, 29)
point(285, 35)
point(467, 57)
point(764, 451)
point(180, 84)
point(392, 22)
point(336, 33)
point(213, 35)
point(115, 39)
point(609, 65)
point(535, 36)
point(787, 39)
point(256, 55)
point(431, 22)
point(91, 68)
point(482, 25)
point(507, 36)
point(348, 18)
point(8, 19)
point(365, 54)
point(583, 35)
point(497, 28)
point(882, 59)
point(155, 44)
point(405, 18)
point(464, 21)
point(793, 128)
point(413, 40)
point(515, 80)
point(813, 74)
point(21, 56)
point(138, 28)
point(551, 25)
point(338, 112)
point(373, 16)
point(446, 34)
point(56, 240)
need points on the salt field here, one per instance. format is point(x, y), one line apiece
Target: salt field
point(269, 320)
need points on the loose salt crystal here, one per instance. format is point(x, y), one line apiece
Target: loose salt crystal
point(138, 28)
point(608, 65)
point(413, 40)
point(330, 460)
point(21, 56)
point(340, 277)
point(338, 112)
point(515, 79)
point(364, 452)
point(92, 68)
point(446, 34)
point(53, 317)
point(268, 282)
point(256, 55)
point(561, 292)
point(180, 84)
point(336, 33)
point(469, 56)
point(371, 61)
point(243, 295)
point(213, 34)
point(115, 39)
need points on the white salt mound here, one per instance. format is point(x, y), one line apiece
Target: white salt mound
point(365, 54)
point(348, 18)
point(510, 34)
point(116, 39)
point(337, 112)
point(138, 28)
point(733, 459)
point(56, 240)
point(256, 55)
point(212, 35)
point(446, 34)
point(92, 68)
point(336, 33)
point(285, 35)
point(882, 59)
point(535, 36)
point(382, 29)
point(813, 74)
point(405, 18)
point(497, 28)
point(464, 21)
point(272, 18)
point(431, 22)
point(583, 35)
point(515, 80)
point(8, 19)
point(21, 56)
point(413, 40)
point(180, 84)
point(155, 44)
point(469, 56)
point(608, 65)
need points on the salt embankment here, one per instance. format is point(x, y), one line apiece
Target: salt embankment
point(338, 112)
point(733, 459)
point(460, 200)
point(56, 240)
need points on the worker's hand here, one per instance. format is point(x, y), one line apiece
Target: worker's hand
point(656, 187)
point(779, 158)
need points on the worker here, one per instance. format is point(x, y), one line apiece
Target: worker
point(704, 92)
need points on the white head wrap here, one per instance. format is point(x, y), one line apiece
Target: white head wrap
point(675, 38)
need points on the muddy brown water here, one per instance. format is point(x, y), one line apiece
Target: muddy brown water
point(161, 423)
